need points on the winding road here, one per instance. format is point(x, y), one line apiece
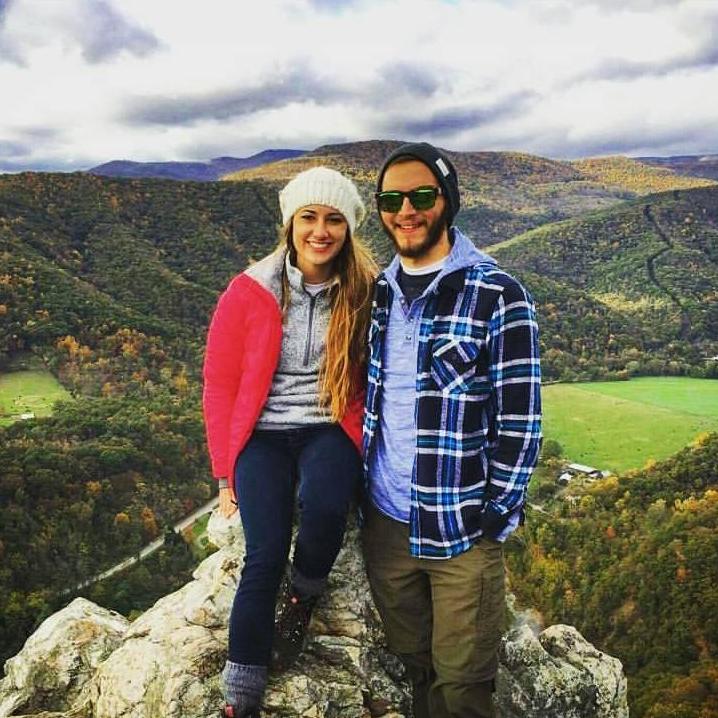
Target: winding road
point(178, 528)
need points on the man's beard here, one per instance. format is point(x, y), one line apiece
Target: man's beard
point(431, 240)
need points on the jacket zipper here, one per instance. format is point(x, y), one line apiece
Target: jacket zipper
point(312, 302)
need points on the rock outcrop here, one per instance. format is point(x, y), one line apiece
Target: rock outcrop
point(60, 658)
point(86, 662)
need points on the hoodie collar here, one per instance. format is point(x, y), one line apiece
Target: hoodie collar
point(463, 254)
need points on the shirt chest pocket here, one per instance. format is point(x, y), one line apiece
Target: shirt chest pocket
point(454, 365)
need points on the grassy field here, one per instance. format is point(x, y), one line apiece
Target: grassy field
point(620, 425)
point(198, 539)
point(32, 391)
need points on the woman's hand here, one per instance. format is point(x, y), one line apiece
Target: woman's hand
point(226, 506)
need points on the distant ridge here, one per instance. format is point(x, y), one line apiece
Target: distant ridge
point(502, 193)
point(695, 165)
point(197, 171)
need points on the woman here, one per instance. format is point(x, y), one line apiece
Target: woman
point(283, 402)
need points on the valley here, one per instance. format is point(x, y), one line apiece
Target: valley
point(109, 285)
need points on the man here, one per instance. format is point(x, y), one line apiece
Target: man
point(451, 437)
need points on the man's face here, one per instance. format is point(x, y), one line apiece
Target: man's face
point(417, 234)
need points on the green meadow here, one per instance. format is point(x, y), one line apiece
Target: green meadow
point(620, 425)
point(30, 391)
point(616, 425)
point(199, 541)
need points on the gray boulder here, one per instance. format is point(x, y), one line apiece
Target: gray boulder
point(167, 662)
point(59, 659)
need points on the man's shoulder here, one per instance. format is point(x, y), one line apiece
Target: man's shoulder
point(489, 275)
point(496, 287)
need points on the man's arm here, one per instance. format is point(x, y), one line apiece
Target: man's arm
point(515, 376)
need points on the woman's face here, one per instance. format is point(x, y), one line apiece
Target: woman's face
point(318, 234)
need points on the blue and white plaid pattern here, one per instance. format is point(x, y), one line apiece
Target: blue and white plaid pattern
point(478, 406)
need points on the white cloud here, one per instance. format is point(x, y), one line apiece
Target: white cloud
point(156, 79)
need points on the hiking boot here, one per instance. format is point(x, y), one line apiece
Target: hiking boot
point(290, 629)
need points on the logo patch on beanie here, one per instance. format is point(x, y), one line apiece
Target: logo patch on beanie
point(442, 166)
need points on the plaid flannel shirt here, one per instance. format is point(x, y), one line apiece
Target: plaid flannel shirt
point(477, 410)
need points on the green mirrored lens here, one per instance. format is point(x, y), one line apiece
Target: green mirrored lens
point(390, 201)
point(423, 198)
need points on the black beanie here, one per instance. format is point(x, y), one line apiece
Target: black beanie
point(438, 163)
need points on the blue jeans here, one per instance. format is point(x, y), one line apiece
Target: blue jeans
point(322, 466)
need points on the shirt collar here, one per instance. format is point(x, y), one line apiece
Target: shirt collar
point(296, 278)
point(463, 254)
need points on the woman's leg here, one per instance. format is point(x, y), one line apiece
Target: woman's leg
point(329, 469)
point(264, 486)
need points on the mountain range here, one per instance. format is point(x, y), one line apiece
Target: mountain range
point(198, 171)
point(502, 193)
point(695, 165)
point(624, 279)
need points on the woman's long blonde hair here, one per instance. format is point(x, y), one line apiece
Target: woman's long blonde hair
point(343, 368)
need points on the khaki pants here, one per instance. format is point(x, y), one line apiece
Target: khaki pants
point(443, 618)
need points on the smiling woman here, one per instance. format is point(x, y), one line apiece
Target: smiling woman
point(283, 403)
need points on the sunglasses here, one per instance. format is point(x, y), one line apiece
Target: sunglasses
point(420, 198)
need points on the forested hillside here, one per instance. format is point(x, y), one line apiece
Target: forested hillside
point(630, 289)
point(644, 279)
point(637, 312)
point(694, 165)
point(87, 256)
point(88, 487)
point(632, 561)
point(640, 177)
point(502, 193)
point(110, 284)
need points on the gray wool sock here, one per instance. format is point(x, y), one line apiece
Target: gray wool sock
point(243, 685)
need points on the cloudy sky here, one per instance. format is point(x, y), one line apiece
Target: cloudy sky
point(87, 81)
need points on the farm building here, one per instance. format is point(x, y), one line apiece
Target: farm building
point(585, 470)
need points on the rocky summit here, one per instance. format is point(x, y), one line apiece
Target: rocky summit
point(88, 662)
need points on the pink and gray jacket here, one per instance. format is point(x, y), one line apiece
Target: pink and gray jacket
point(244, 345)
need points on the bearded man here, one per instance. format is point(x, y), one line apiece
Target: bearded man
point(452, 431)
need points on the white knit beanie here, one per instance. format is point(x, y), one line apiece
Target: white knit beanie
point(320, 185)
